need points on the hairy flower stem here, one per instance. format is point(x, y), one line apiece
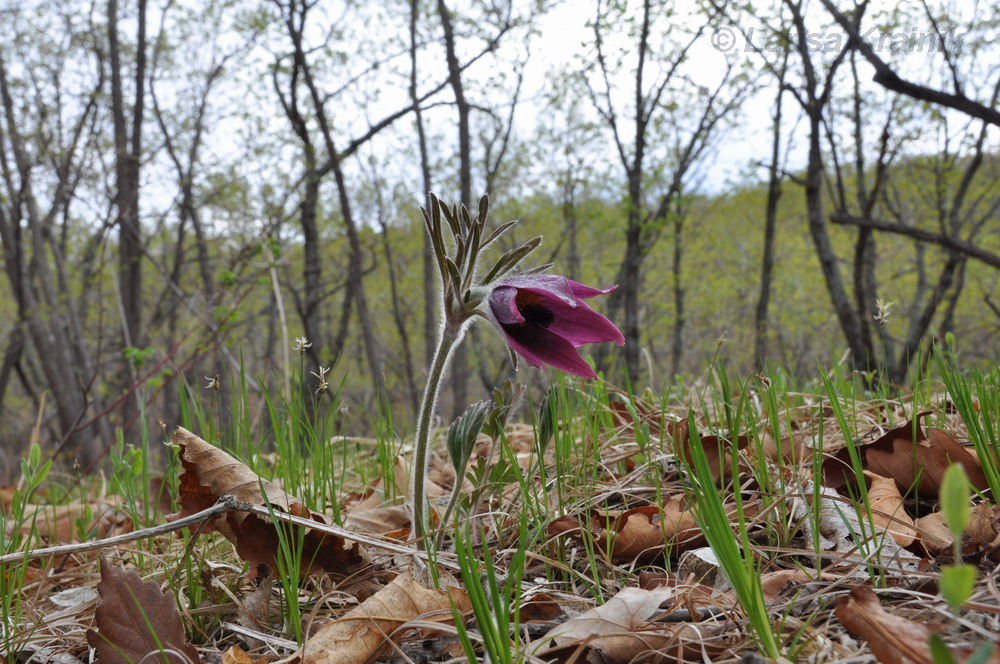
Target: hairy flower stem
point(449, 340)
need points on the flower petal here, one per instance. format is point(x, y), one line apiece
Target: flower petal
point(583, 325)
point(580, 290)
point(540, 346)
point(576, 322)
point(545, 284)
point(504, 306)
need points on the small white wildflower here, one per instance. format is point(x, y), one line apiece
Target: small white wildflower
point(213, 382)
point(323, 385)
point(882, 312)
point(300, 345)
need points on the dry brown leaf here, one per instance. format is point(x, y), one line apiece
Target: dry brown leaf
point(910, 457)
point(718, 451)
point(892, 639)
point(640, 533)
point(540, 607)
point(775, 584)
point(364, 631)
point(401, 478)
point(134, 619)
point(887, 509)
point(691, 594)
point(792, 450)
point(210, 473)
point(63, 524)
point(621, 629)
point(236, 655)
point(392, 522)
point(984, 528)
point(934, 534)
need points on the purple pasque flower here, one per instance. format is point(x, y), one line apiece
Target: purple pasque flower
point(545, 319)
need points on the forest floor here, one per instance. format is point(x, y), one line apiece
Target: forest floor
point(725, 522)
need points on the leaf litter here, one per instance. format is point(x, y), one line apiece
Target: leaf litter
point(607, 582)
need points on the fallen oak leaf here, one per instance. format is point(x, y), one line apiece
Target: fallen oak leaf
point(622, 628)
point(887, 509)
point(365, 631)
point(209, 473)
point(984, 528)
point(640, 533)
point(933, 533)
point(910, 456)
point(135, 619)
point(540, 607)
point(892, 639)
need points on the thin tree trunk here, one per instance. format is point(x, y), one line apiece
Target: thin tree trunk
point(570, 223)
point(397, 312)
point(677, 344)
point(429, 271)
point(761, 322)
point(846, 315)
point(355, 281)
point(128, 153)
point(459, 362)
point(11, 358)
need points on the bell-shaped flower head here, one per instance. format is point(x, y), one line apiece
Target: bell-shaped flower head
point(545, 320)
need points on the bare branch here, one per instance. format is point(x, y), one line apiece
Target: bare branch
point(953, 244)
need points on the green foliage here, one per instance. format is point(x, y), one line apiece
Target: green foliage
point(138, 356)
point(735, 557)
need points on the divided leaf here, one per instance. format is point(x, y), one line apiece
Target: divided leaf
point(210, 473)
point(136, 619)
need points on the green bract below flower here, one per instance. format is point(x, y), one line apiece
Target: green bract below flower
point(545, 320)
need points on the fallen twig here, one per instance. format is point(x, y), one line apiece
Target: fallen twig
point(225, 504)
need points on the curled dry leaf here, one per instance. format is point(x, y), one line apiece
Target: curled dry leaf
point(621, 629)
point(910, 457)
point(636, 534)
point(210, 473)
point(540, 607)
point(640, 533)
point(887, 509)
point(934, 534)
point(236, 655)
point(365, 631)
point(892, 639)
point(984, 528)
point(135, 619)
